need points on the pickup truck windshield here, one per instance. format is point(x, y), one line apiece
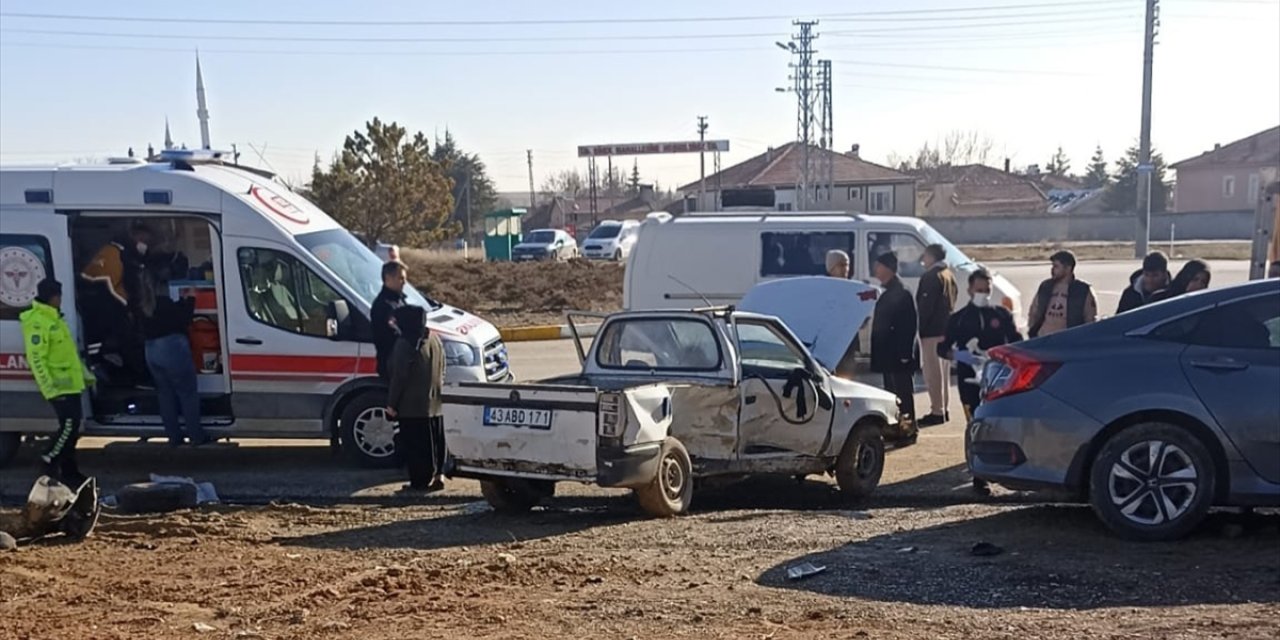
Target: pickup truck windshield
point(674, 344)
point(354, 264)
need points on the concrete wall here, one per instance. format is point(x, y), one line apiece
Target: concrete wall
point(846, 198)
point(1224, 225)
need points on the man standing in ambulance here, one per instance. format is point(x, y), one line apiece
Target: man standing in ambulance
point(61, 376)
point(112, 274)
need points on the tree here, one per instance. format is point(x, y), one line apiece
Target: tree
point(567, 182)
point(633, 182)
point(1096, 177)
point(466, 170)
point(1059, 165)
point(385, 186)
point(956, 148)
point(1124, 196)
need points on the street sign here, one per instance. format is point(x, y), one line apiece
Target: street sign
point(647, 148)
point(1146, 168)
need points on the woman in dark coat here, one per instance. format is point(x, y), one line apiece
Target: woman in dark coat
point(1194, 276)
point(416, 373)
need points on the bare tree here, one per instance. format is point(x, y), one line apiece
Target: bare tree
point(567, 182)
point(966, 147)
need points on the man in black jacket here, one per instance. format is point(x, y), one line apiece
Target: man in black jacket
point(979, 325)
point(893, 336)
point(381, 316)
point(1145, 283)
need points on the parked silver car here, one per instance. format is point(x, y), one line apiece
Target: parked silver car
point(1154, 415)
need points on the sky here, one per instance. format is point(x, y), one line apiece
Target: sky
point(287, 80)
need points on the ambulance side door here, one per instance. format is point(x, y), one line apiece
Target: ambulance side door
point(284, 367)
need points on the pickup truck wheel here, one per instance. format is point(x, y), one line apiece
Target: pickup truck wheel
point(514, 495)
point(10, 443)
point(671, 491)
point(367, 433)
point(861, 462)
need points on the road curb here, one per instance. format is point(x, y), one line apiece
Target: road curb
point(545, 332)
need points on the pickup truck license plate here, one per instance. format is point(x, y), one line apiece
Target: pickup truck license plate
point(510, 417)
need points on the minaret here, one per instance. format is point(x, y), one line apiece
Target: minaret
point(168, 139)
point(202, 109)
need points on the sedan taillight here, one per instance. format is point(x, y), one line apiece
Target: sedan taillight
point(1012, 371)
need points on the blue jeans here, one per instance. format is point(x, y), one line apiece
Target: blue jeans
point(174, 373)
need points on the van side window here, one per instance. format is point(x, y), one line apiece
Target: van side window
point(801, 253)
point(907, 246)
point(279, 290)
point(24, 262)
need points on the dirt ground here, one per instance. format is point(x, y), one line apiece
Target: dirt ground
point(1104, 251)
point(590, 564)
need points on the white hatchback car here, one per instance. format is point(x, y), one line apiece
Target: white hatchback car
point(611, 240)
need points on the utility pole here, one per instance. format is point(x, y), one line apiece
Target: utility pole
point(532, 201)
point(1145, 169)
point(466, 211)
point(826, 131)
point(801, 48)
point(702, 163)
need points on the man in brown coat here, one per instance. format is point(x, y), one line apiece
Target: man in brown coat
point(935, 298)
point(416, 377)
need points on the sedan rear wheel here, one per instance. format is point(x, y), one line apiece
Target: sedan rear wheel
point(1152, 481)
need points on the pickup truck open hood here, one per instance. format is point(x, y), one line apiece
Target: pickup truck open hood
point(825, 313)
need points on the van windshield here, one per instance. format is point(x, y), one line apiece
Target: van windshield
point(354, 264)
point(605, 231)
point(955, 257)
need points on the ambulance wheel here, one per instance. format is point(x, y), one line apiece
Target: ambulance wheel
point(671, 491)
point(514, 495)
point(367, 433)
point(10, 443)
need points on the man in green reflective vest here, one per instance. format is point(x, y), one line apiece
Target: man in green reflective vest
point(61, 375)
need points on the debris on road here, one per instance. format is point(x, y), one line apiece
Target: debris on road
point(908, 550)
point(986, 550)
point(155, 497)
point(804, 570)
point(7, 542)
point(201, 627)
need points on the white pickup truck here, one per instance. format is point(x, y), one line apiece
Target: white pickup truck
point(667, 397)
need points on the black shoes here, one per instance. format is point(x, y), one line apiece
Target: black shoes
point(933, 420)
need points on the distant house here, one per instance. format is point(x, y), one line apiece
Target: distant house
point(859, 185)
point(561, 212)
point(1229, 177)
point(978, 190)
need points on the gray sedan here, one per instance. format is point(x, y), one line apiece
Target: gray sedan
point(1153, 416)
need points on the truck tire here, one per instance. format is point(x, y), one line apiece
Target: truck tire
point(671, 491)
point(155, 497)
point(1152, 501)
point(366, 432)
point(10, 444)
point(516, 495)
point(861, 462)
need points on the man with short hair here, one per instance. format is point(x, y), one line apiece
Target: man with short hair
point(61, 376)
point(1145, 283)
point(838, 264)
point(381, 315)
point(893, 336)
point(935, 298)
point(978, 326)
point(1062, 301)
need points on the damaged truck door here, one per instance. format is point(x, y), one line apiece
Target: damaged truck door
point(664, 398)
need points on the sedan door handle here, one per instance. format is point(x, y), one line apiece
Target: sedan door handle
point(1221, 364)
point(248, 341)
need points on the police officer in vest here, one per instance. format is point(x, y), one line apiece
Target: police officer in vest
point(1062, 301)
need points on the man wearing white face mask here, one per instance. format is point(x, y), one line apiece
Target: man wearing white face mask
point(990, 325)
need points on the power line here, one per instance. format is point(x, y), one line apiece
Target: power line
point(560, 21)
point(896, 65)
point(442, 53)
point(988, 25)
point(260, 38)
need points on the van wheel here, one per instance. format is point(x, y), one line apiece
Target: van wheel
point(10, 444)
point(671, 491)
point(516, 495)
point(368, 434)
point(861, 462)
point(1152, 482)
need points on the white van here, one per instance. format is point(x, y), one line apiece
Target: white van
point(715, 258)
point(611, 240)
point(282, 337)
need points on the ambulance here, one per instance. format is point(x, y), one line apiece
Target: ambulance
point(281, 338)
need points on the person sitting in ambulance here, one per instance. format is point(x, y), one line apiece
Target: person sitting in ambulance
point(109, 277)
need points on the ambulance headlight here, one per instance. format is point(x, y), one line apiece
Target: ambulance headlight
point(460, 354)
